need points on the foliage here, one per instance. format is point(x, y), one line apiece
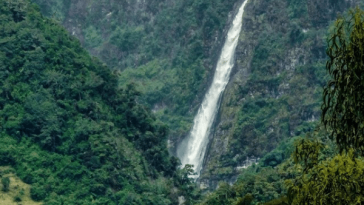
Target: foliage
point(223, 195)
point(259, 183)
point(172, 43)
point(280, 201)
point(276, 91)
point(168, 49)
point(256, 185)
point(343, 106)
point(337, 179)
point(19, 195)
point(187, 185)
point(66, 126)
point(5, 181)
point(268, 181)
point(266, 105)
point(54, 8)
point(308, 152)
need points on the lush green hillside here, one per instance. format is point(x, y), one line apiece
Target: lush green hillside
point(168, 48)
point(66, 127)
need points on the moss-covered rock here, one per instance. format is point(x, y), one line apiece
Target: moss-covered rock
point(275, 91)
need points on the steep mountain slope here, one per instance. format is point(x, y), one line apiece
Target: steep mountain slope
point(66, 127)
point(275, 92)
point(326, 166)
point(168, 48)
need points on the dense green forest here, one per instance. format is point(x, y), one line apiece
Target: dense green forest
point(68, 129)
point(167, 48)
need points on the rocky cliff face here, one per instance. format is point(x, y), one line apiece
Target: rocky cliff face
point(275, 91)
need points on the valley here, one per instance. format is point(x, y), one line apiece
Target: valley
point(105, 102)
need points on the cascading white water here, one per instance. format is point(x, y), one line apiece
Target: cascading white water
point(192, 150)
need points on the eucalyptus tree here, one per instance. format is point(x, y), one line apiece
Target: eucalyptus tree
point(343, 107)
point(337, 179)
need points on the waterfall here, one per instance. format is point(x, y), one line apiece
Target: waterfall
point(192, 149)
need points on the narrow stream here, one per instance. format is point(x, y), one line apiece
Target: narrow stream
point(192, 150)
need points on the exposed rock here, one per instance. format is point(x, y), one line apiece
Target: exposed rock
point(181, 200)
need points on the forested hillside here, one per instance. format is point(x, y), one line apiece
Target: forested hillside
point(68, 130)
point(167, 47)
point(169, 50)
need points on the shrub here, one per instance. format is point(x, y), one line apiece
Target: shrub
point(6, 183)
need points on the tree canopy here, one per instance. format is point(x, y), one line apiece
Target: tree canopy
point(68, 129)
point(343, 107)
point(337, 179)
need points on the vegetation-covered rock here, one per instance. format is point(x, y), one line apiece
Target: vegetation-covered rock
point(275, 92)
point(321, 170)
